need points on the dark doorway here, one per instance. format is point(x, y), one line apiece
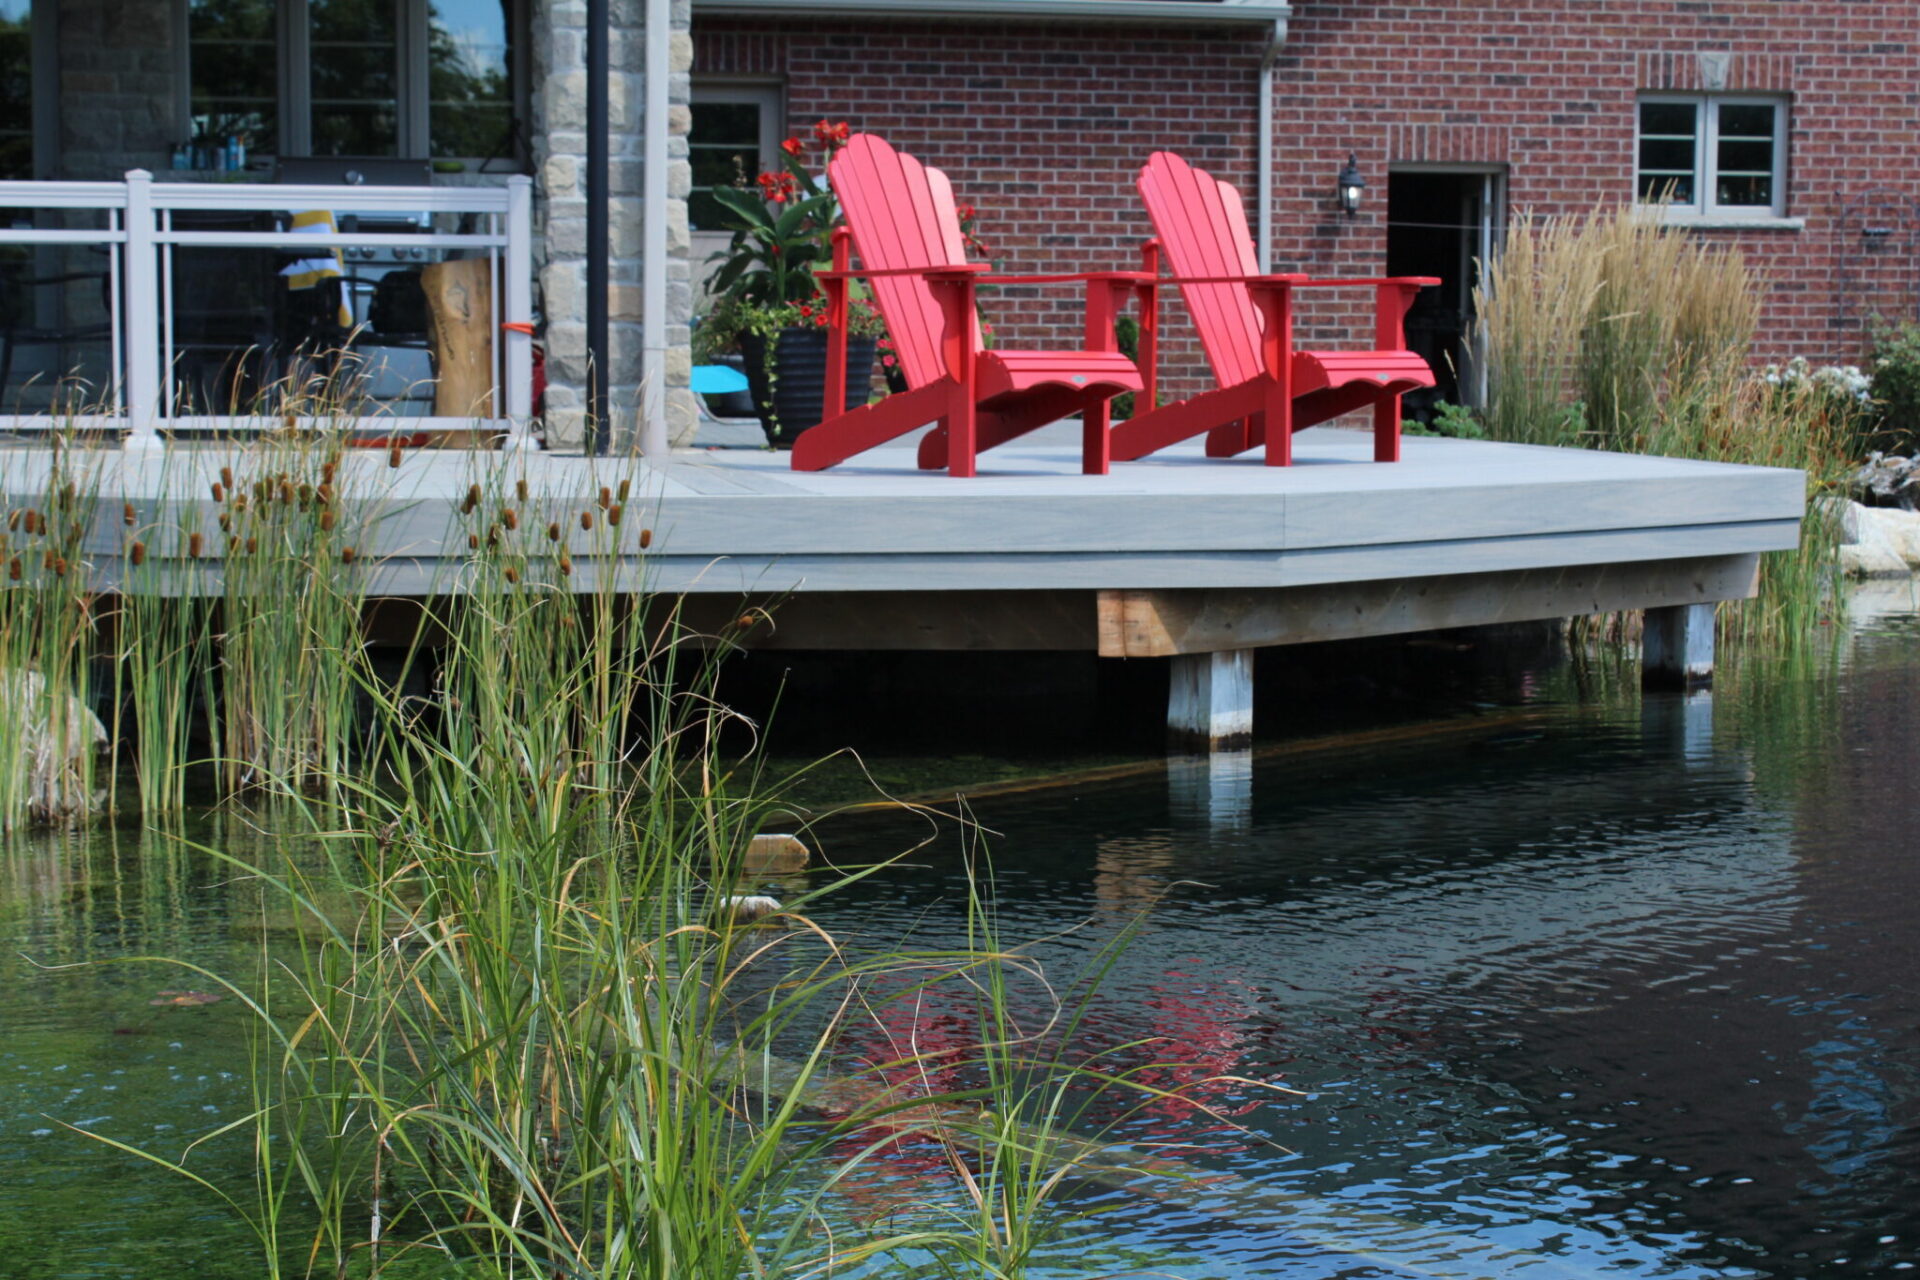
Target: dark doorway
point(1440, 224)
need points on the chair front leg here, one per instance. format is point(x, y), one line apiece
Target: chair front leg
point(1390, 305)
point(957, 355)
point(835, 395)
point(1104, 298)
point(1275, 302)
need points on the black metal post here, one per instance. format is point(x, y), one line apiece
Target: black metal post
point(599, 428)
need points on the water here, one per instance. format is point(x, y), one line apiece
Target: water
point(1583, 987)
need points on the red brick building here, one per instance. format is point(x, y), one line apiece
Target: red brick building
point(1789, 129)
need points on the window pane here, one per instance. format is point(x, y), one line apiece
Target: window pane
point(1669, 118)
point(1676, 188)
point(724, 147)
point(355, 59)
point(1670, 156)
point(231, 74)
point(16, 89)
point(1755, 191)
point(1746, 120)
point(469, 76)
point(1745, 157)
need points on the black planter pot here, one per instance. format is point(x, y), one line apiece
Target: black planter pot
point(797, 395)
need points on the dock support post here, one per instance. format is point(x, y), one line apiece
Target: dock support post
point(1210, 701)
point(1676, 649)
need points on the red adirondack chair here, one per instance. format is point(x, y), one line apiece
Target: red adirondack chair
point(1267, 390)
point(900, 217)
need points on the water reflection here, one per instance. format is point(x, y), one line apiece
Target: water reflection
point(1603, 988)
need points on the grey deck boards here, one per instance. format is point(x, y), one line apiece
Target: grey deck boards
point(732, 521)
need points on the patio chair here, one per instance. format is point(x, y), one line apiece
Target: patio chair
point(1266, 391)
point(900, 217)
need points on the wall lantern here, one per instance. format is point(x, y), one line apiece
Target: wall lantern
point(1351, 185)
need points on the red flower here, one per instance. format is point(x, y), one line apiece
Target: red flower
point(793, 146)
point(831, 134)
point(777, 188)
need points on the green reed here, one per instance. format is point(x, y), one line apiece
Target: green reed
point(48, 630)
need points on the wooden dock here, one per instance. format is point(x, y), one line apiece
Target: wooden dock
point(1175, 555)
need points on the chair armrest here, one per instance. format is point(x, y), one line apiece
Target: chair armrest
point(1090, 277)
point(965, 270)
point(1405, 282)
point(1288, 278)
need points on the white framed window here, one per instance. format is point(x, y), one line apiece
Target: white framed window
point(1718, 156)
point(436, 78)
point(736, 133)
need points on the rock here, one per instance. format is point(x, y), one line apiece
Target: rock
point(773, 852)
point(746, 908)
point(1886, 481)
point(1879, 542)
point(58, 737)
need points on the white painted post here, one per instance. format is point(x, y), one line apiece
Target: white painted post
point(517, 303)
point(142, 355)
point(1215, 789)
point(1676, 648)
point(1210, 700)
point(653, 237)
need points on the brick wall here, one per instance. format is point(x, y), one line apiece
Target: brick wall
point(1043, 127)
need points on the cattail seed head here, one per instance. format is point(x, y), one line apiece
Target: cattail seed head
point(606, 497)
point(286, 493)
point(346, 555)
point(473, 542)
point(520, 488)
point(253, 545)
point(226, 476)
point(59, 566)
point(13, 568)
point(327, 472)
point(233, 543)
point(393, 456)
point(510, 518)
point(626, 487)
point(47, 558)
point(646, 539)
point(566, 567)
point(219, 493)
point(510, 573)
point(326, 521)
point(745, 621)
point(31, 521)
point(126, 514)
point(586, 519)
point(553, 531)
point(473, 497)
point(226, 521)
point(613, 514)
point(194, 542)
point(136, 555)
point(323, 495)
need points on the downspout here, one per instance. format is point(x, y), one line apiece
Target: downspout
point(653, 242)
point(599, 430)
point(1263, 184)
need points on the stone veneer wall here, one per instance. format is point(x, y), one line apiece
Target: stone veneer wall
point(560, 214)
point(119, 87)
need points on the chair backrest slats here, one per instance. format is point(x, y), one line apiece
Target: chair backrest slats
point(1202, 227)
point(902, 214)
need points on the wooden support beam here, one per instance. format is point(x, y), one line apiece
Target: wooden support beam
point(1676, 650)
point(1210, 701)
point(1161, 623)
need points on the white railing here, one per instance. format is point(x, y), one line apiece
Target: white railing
point(139, 393)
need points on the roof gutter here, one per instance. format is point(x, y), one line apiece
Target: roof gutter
point(1263, 150)
point(1180, 11)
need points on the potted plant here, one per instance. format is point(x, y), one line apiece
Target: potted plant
point(768, 304)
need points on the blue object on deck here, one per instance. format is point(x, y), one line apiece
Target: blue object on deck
point(717, 379)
